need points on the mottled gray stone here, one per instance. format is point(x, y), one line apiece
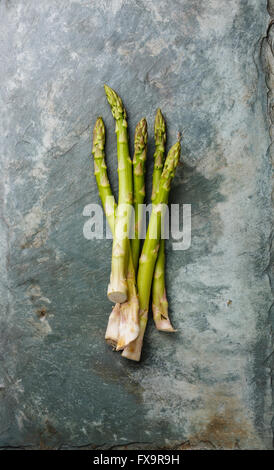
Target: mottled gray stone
point(209, 385)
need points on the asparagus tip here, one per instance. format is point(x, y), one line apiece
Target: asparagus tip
point(98, 134)
point(99, 125)
point(159, 126)
point(107, 88)
point(116, 104)
point(159, 115)
point(140, 137)
point(117, 297)
point(172, 160)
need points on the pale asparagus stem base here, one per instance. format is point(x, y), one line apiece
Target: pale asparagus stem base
point(129, 311)
point(117, 288)
point(159, 299)
point(129, 323)
point(112, 331)
point(123, 323)
point(133, 350)
point(128, 326)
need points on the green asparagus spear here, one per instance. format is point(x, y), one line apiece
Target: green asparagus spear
point(150, 249)
point(118, 288)
point(100, 171)
point(159, 299)
point(123, 326)
point(139, 159)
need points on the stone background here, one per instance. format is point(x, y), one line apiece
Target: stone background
point(209, 385)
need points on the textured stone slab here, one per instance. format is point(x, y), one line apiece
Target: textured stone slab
point(209, 384)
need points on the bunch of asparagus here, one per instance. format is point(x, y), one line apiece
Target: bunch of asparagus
point(128, 319)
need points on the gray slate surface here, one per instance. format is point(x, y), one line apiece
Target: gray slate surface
point(209, 384)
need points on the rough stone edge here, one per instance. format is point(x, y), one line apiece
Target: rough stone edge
point(267, 60)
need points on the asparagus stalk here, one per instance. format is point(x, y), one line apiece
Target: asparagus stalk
point(100, 172)
point(139, 159)
point(118, 288)
point(126, 324)
point(105, 193)
point(150, 249)
point(122, 327)
point(159, 299)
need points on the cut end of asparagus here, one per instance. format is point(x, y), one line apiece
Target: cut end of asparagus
point(116, 104)
point(117, 296)
point(117, 288)
point(112, 332)
point(171, 163)
point(160, 311)
point(165, 325)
